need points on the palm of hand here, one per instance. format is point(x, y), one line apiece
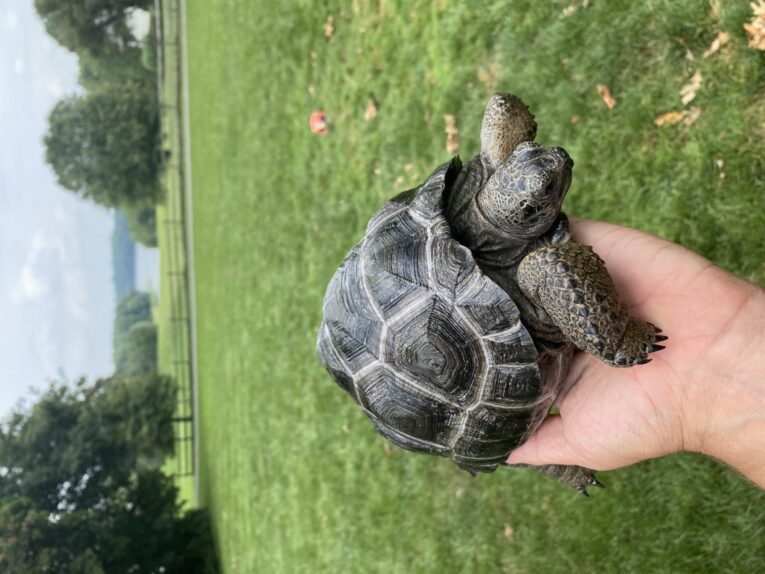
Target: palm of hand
point(612, 417)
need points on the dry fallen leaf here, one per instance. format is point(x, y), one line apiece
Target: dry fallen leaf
point(329, 27)
point(688, 91)
point(387, 449)
point(688, 117)
point(720, 41)
point(452, 134)
point(608, 98)
point(669, 118)
point(574, 120)
point(756, 27)
point(371, 111)
point(509, 532)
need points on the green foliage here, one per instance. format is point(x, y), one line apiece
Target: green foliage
point(104, 145)
point(143, 225)
point(133, 309)
point(135, 527)
point(89, 26)
point(111, 69)
point(139, 354)
point(80, 487)
point(149, 53)
point(73, 441)
point(123, 257)
point(260, 285)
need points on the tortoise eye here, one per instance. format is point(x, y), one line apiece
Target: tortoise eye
point(550, 189)
point(529, 210)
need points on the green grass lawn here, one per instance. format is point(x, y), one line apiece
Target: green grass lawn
point(294, 475)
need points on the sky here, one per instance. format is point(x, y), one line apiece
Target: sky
point(56, 294)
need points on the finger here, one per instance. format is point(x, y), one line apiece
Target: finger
point(546, 446)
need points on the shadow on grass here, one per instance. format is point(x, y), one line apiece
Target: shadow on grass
point(196, 552)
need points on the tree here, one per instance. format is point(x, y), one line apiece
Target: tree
point(81, 489)
point(138, 527)
point(113, 68)
point(142, 223)
point(139, 354)
point(92, 26)
point(133, 308)
point(104, 145)
point(73, 441)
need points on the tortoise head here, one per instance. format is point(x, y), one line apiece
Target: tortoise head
point(523, 197)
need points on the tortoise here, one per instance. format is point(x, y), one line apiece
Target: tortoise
point(452, 323)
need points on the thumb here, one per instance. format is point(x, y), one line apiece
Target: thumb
point(547, 445)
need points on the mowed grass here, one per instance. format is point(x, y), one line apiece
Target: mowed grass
point(294, 475)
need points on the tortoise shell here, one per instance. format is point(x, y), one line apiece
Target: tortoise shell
point(432, 350)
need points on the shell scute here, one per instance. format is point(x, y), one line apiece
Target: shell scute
point(404, 408)
point(349, 315)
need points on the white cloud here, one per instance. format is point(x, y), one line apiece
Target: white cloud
point(18, 66)
point(55, 88)
point(30, 286)
point(11, 20)
point(75, 295)
point(52, 271)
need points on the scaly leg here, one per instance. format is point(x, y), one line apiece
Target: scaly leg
point(576, 477)
point(570, 282)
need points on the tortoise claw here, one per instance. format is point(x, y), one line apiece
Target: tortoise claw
point(657, 348)
point(592, 482)
point(643, 361)
point(661, 338)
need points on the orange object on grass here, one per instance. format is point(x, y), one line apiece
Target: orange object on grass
point(318, 123)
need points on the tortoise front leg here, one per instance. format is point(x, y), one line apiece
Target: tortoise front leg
point(570, 282)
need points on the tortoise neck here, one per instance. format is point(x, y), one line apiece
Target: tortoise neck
point(470, 226)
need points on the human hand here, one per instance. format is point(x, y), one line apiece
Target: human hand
point(705, 392)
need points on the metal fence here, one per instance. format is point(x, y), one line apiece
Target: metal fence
point(176, 272)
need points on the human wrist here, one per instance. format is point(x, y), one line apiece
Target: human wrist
point(725, 412)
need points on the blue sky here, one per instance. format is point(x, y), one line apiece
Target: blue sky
point(56, 296)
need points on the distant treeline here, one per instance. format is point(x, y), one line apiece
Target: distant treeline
point(123, 257)
point(135, 336)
